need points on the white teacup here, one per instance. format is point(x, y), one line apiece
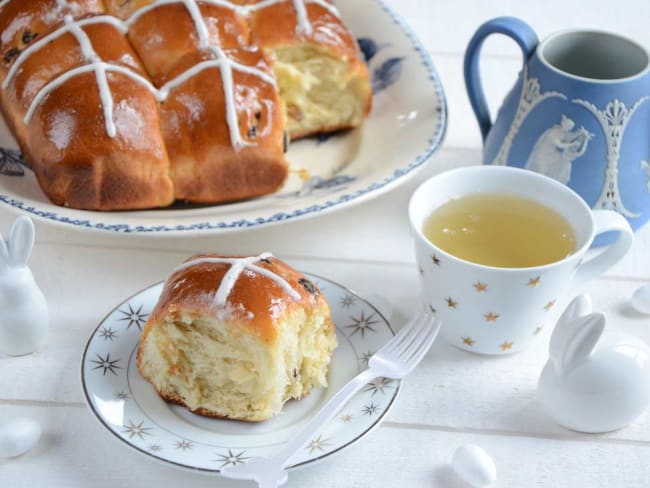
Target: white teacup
point(490, 310)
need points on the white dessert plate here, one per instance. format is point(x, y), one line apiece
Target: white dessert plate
point(405, 127)
point(133, 412)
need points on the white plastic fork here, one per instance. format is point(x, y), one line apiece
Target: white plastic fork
point(397, 358)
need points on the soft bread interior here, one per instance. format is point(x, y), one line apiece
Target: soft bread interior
point(218, 368)
point(319, 91)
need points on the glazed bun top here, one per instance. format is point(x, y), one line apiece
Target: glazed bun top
point(255, 292)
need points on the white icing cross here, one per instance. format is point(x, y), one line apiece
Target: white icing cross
point(100, 68)
point(61, 5)
point(95, 64)
point(300, 6)
point(221, 61)
point(237, 267)
point(303, 24)
point(225, 65)
point(67, 27)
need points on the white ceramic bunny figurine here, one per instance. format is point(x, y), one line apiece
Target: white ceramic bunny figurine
point(596, 380)
point(24, 317)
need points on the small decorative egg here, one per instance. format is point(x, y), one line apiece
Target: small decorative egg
point(18, 436)
point(641, 299)
point(474, 466)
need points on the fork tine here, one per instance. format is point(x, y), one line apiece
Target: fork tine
point(417, 338)
point(417, 355)
point(404, 340)
point(401, 336)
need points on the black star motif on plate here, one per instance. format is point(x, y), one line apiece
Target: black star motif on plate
point(370, 410)
point(184, 444)
point(347, 301)
point(155, 448)
point(107, 364)
point(317, 444)
point(379, 385)
point(121, 395)
point(134, 317)
point(138, 430)
point(362, 324)
point(107, 334)
point(365, 357)
point(231, 459)
point(346, 418)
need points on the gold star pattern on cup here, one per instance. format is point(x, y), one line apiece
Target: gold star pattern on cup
point(506, 346)
point(435, 260)
point(538, 329)
point(468, 341)
point(533, 282)
point(480, 286)
point(491, 317)
point(549, 305)
point(451, 303)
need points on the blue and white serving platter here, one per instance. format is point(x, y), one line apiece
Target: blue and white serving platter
point(135, 415)
point(405, 127)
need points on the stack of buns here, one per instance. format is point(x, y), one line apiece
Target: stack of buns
point(237, 337)
point(139, 103)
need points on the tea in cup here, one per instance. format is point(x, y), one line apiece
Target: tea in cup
point(498, 249)
point(500, 229)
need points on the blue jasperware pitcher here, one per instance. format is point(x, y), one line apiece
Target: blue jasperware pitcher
point(579, 113)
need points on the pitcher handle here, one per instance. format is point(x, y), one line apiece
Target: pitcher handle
point(595, 265)
point(512, 27)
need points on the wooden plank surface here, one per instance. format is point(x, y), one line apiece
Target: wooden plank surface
point(451, 399)
point(76, 453)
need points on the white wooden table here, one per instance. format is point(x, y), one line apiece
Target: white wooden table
point(453, 398)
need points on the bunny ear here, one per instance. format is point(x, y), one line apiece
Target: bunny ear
point(579, 307)
point(574, 341)
point(21, 241)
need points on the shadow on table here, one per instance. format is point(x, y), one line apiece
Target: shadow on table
point(444, 476)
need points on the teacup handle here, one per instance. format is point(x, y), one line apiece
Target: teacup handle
point(512, 27)
point(606, 221)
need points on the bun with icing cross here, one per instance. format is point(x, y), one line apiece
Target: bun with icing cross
point(135, 104)
point(237, 337)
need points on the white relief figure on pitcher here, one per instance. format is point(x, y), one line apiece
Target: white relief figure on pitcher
point(531, 96)
point(557, 148)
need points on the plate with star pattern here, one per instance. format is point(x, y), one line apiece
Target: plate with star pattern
point(131, 410)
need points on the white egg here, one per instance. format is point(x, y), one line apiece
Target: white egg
point(18, 436)
point(474, 465)
point(641, 299)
